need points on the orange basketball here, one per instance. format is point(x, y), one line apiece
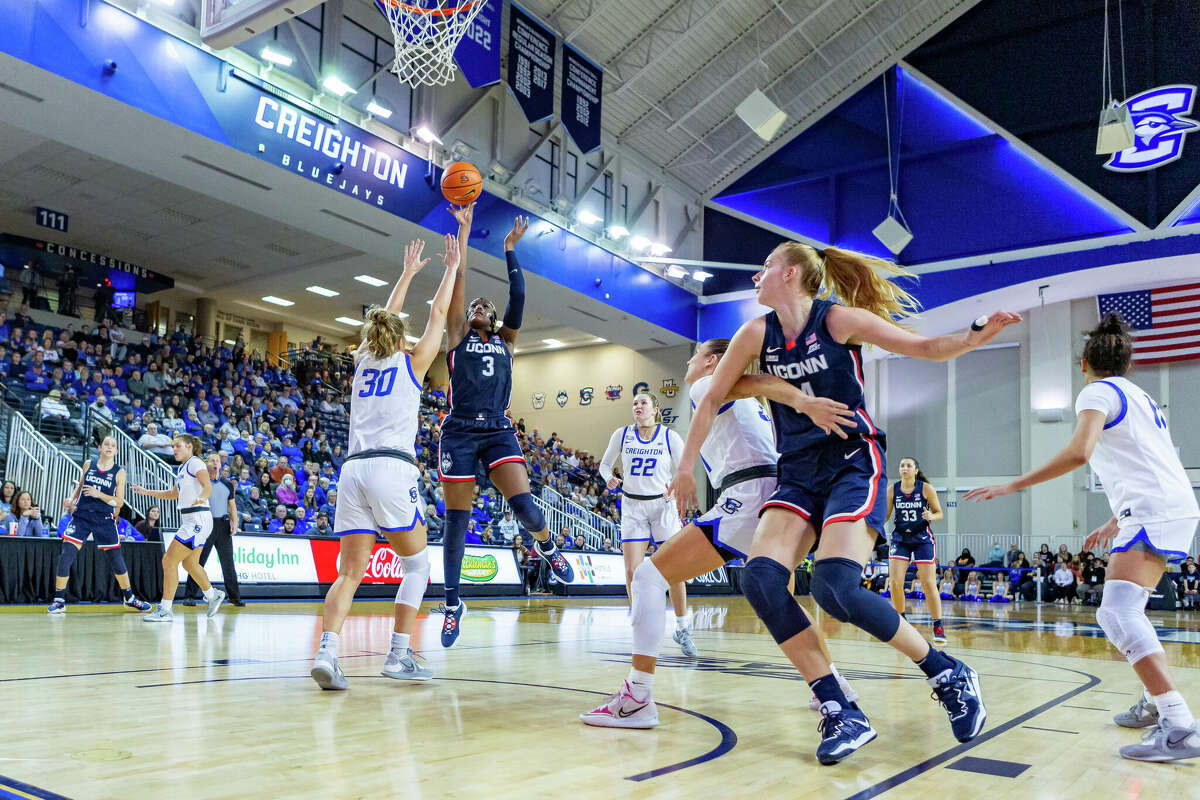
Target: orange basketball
point(461, 183)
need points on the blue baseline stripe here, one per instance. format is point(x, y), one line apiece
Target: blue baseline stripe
point(12, 783)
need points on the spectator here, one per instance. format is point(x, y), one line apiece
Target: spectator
point(1011, 555)
point(508, 527)
point(302, 524)
point(148, 527)
point(1091, 587)
point(330, 507)
point(321, 527)
point(473, 533)
point(1189, 585)
point(965, 559)
point(172, 424)
point(252, 509)
point(281, 515)
point(995, 556)
point(54, 418)
point(1064, 553)
point(289, 525)
point(8, 492)
point(27, 516)
point(435, 524)
point(487, 536)
point(579, 542)
point(280, 469)
point(1064, 582)
point(286, 493)
point(157, 443)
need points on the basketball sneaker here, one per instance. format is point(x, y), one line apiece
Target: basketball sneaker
point(405, 667)
point(214, 605)
point(450, 625)
point(957, 689)
point(843, 731)
point(1141, 714)
point(1165, 744)
point(159, 614)
point(327, 672)
point(939, 634)
point(60, 607)
point(683, 638)
point(137, 604)
point(623, 710)
point(558, 563)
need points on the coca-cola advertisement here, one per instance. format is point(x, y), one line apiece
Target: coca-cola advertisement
point(384, 566)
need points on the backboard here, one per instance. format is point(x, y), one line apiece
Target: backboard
point(224, 23)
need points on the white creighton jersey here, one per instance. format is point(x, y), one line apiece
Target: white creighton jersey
point(383, 404)
point(189, 484)
point(647, 465)
point(1135, 459)
point(741, 436)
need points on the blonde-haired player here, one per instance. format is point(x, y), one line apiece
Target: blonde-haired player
point(646, 452)
point(377, 488)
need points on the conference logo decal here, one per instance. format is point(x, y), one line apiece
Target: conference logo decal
point(539, 401)
point(1159, 128)
point(613, 391)
point(480, 569)
point(561, 398)
point(669, 388)
point(585, 395)
point(668, 417)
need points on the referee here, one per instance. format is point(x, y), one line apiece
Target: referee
point(224, 512)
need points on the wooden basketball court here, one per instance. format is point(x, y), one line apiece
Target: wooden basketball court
point(102, 705)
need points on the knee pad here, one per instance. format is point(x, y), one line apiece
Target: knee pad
point(416, 579)
point(837, 589)
point(647, 578)
point(528, 515)
point(765, 584)
point(116, 561)
point(1122, 615)
point(65, 559)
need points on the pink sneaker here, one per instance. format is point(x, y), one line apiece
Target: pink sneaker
point(623, 710)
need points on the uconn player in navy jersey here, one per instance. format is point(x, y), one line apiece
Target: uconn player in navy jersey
point(377, 488)
point(93, 507)
point(832, 484)
point(1123, 434)
point(739, 456)
point(915, 504)
point(477, 430)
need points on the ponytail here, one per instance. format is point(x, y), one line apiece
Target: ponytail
point(383, 333)
point(197, 445)
point(854, 278)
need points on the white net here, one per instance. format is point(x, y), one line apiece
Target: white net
point(426, 33)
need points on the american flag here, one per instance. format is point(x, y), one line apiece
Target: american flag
point(1165, 322)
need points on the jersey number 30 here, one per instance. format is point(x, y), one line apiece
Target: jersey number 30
point(642, 466)
point(379, 383)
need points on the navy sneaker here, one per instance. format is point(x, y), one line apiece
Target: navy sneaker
point(558, 563)
point(138, 604)
point(843, 731)
point(450, 625)
point(958, 691)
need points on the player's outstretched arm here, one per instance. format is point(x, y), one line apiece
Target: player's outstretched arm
point(426, 350)
point(516, 283)
point(858, 325)
point(456, 325)
point(1074, 455)
point(611, 454)
point(828, 415)
point(413, 263)
point(168, 494)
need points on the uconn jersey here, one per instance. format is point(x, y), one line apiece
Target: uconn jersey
point(92, 516)
point(647, 466)
point(480, 377)
point(384, 404)
point(910, 510)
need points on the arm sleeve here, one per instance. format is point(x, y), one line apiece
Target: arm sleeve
point(516, 292)
point(611, 454)
point(1100, 397)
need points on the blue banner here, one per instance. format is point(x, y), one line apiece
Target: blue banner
point(478, 54)
point(531, 48)
point(582, 91)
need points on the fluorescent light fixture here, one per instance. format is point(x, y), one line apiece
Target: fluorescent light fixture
point(701, 275)
point(600, 340)
point(676, 271)
point(425, 135)
point(279, 301)
point(618, 232)
point(552, 342)
point(659, 249)
point(412, 339)
point(376, 110)
point(428, 302)
point(230, 342)
point(588, 218)
point(166, 2)
point(337, 86)
point(544, 229)
point(321, 290)
point(370, 280)
point(403, 314)
point(354, 323)
point(274, 55)
point(639, 243)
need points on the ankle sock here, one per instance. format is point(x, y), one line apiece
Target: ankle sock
point(329, 643)
point(935, 663)
point(400, 643)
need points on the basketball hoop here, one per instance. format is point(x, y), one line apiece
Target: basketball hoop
point(426, 33)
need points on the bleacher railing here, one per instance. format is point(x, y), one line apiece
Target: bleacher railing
point(37, 466)
point(603, 527)
point(144, 469)
point(557, 519)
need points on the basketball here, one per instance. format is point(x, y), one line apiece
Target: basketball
point(461, 183)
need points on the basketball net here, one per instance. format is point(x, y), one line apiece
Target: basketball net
point(426, 33)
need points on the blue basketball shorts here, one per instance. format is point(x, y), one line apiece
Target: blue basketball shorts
point(464, 443)
point(103, 531)
point(842, 481)
point(921, 550)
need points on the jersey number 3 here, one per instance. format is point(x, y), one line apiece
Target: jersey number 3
point(489, 366)
point(379, 383)
point(642, 466)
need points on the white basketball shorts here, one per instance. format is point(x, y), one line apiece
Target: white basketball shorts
point(1171, 539)
point(378, 494)
point(648, 520)
point(734, 518)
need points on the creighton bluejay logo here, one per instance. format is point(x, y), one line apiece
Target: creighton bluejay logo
point(1159, 128)
point(585, 395)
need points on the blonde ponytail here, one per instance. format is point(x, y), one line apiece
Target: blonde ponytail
point(383, 333)
point(854, 278)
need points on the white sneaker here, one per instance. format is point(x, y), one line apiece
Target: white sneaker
point(327, 672)
point(405, 667)
point(214, 605)
point(1165, 744)
point(683, 638)
point(623, 710)
point(158, 615)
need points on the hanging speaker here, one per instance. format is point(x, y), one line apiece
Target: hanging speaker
point(1116, 130)
point(764, 117)
point(895, 237)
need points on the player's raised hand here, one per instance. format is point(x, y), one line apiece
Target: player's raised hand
point(683, 490)
point(829, 415)
point(520, 225)
point(464, 214)
point(995, 322)
point(413, 263)
point(452, 256)
point(989, 492)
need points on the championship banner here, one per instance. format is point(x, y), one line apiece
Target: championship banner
point(582, 91)
point(531, 48)
point(478, 54)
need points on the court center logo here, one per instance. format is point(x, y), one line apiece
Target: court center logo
point(613, 391)
point(539, 401)
point(585, 395)
point(1159, 128)
point(669, 388)
point(561, 398)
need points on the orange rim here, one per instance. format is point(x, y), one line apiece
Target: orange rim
point(437, 12)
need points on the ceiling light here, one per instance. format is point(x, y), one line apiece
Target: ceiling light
point(545, 229)
point(354, 323)
point(274, 55)
point(321, 290)
point(376, 110)
point(279, 301)
point(552, 342)
point(618, 232)
point(701, 275)
point(337, 86)
point(412, 339)
point(428, 302)
point(425, 135)
point(676, 271)
point(370, 280)
point(230, 342)
point(402, 314)
point(639, 243)
point(600, 340)
point(588, 218)
point(658, 249)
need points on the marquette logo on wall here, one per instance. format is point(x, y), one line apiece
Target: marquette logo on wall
point(613, 391)
point(585, 395)
point(669, 387)
point(539, 401)
point(1159, 128)
point(561, 398)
